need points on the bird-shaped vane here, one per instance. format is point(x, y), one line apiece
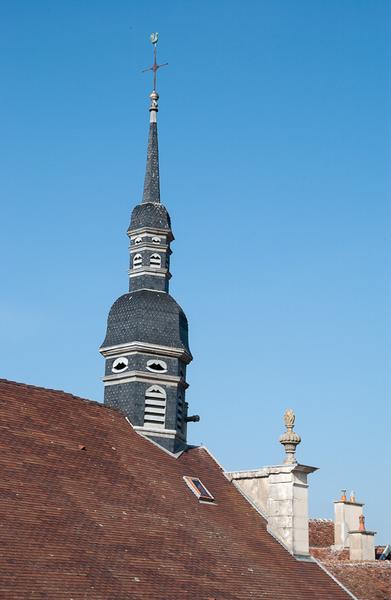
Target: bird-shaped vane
point(154, 40)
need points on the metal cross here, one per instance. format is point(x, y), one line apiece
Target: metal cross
point(154, 39)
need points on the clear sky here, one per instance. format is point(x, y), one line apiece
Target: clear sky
point(274, 130)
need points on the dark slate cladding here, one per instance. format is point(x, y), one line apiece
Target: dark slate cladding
point(150, 214)
point(147, 316)
point(148, 281)
point(152, 179)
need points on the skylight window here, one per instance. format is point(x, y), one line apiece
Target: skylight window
point(198, 489)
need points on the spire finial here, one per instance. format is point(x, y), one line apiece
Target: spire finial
point(290, 439)
point(155, 67)
point(152, 178)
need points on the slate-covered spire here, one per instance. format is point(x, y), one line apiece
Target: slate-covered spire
point(146, 345)
point(152, 180)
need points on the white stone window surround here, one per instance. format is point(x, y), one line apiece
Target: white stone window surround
point(155, 261)
point(137, 261)
point(138, 240)
point(120, 364)
point(161, 363)
point(147, 236)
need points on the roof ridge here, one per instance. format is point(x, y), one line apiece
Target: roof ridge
point(320, 520)
point(40, 387)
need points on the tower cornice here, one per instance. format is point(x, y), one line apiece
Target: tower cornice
point(125, 349)
point(117, 378)
point(139, 231)
point(149, 271)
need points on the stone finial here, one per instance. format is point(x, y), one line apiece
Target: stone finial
point(154, 96)
point(290, 439)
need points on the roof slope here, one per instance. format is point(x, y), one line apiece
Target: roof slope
point(116, 521)
point(366, 580)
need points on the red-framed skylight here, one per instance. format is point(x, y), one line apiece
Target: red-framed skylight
point(198, 489)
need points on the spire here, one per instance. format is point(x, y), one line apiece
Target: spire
point(152, 178)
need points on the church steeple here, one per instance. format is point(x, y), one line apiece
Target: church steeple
point(146, 345)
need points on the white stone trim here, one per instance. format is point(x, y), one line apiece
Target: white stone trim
point(153, 361)
point(115, 363)
point(147, 270)
point(164, 433)
point(136, 235)
point(160, 432)
point(266, 471)
point(145, 347)
point(145, 246)
point(127, 377)
point(150, 231)
point(136, 428)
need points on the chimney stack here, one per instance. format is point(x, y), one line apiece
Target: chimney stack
point(280, 493)
point(362, 542)
point(349, 529)
point(347, 514)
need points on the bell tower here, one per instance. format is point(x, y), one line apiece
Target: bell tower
point(146, 347)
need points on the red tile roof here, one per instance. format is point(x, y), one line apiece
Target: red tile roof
point(321, 533)
point(366, 580)
point(116, 521)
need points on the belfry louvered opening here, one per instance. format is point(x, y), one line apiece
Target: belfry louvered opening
point(137, 261)
point(155, 407)
point(155, 261)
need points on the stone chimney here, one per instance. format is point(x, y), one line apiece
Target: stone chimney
point(281, 493)
point(362, 542)
point(350, 531)
point(346, 518)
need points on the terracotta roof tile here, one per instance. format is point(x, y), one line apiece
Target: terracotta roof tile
point(321, 533)
point(366, 580)
point(116, 521)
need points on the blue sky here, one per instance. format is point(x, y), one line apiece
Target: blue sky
point(274, 130)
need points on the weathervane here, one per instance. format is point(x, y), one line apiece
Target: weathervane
point(154, 39)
